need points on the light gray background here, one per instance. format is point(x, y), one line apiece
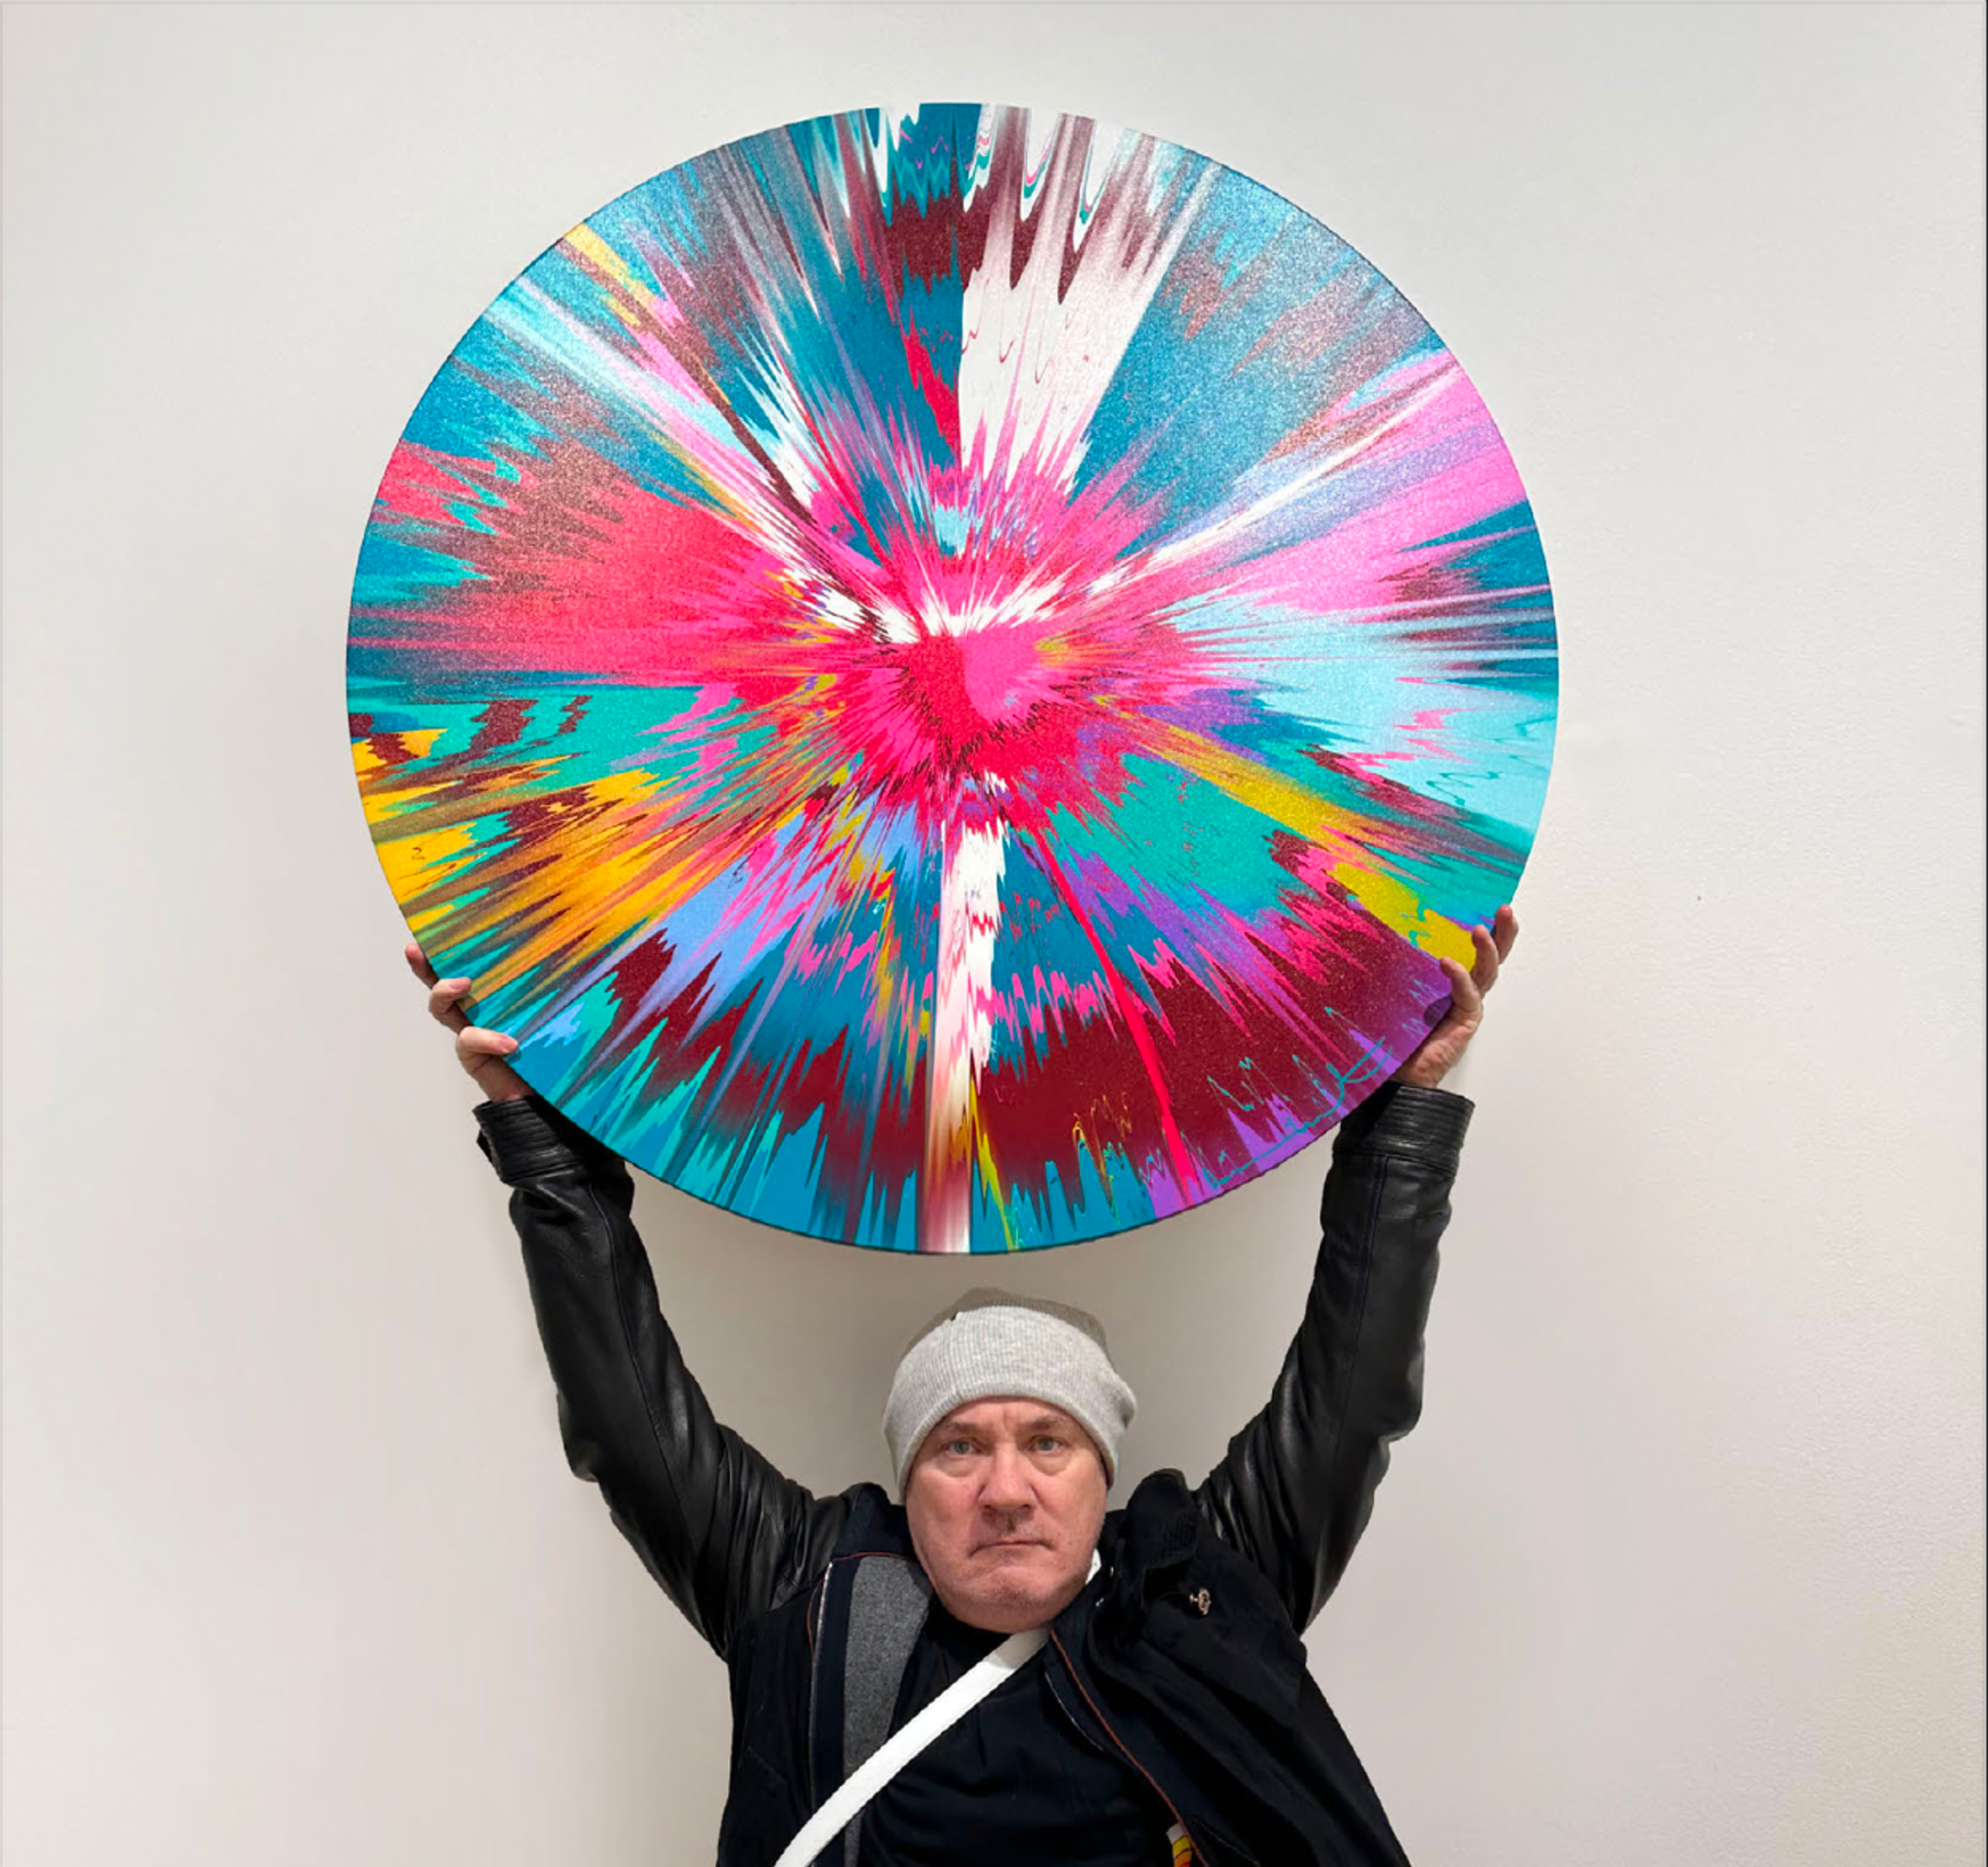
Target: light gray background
point(1685, 1563)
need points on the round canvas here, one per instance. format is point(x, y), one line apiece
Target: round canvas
point(946, 672)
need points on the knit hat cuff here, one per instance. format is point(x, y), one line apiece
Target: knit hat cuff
point(990, 1347)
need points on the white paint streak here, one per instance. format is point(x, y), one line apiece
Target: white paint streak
point(1033, 368)
point(962, 1035)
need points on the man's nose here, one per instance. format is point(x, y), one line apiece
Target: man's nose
point(1007, 1486)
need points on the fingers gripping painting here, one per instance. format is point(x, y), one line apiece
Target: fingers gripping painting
point(949, 673)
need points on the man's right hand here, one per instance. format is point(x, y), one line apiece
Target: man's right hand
point(481, 1053)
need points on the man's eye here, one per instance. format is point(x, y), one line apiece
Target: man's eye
point(958, 1448)
point(1048, 1442)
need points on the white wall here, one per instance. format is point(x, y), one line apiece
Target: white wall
point(1685, 1565)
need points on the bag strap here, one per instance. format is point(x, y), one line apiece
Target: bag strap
point(863, 1783)
point(887, 1604)
point(891, 1756)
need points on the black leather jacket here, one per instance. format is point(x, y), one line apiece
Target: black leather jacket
point(743, 1551)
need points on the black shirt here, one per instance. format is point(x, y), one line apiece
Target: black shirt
point(1014, 1780)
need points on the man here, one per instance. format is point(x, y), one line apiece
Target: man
point(1146, 1696)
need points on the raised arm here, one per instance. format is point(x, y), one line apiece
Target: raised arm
point(724, 1532)
point(1295, 1488)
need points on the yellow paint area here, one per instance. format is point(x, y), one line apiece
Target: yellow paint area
point(1393, 904)
point(990, 1178)
point(1268, 793)
point(414, 863)
point(382, 803)
point(366, 761)
point(1342, 833)
point(588, 245)
point(884, 973)
point(604, 880)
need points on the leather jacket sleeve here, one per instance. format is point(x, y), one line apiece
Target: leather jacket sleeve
point(1297, 1487)
point(724, 1533)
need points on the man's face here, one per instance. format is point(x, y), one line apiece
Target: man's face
point(1006, 1499)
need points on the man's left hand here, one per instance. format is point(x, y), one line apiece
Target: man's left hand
point(1439, 1052)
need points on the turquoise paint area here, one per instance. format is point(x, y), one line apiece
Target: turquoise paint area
point(1388, 697)
point(395, 573)
point(475, 408)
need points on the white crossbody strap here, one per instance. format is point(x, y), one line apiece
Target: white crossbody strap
point(891, 1756)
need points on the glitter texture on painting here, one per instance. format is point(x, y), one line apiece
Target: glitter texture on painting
point(948, 672)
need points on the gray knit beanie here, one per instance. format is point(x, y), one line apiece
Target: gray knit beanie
point(990, 1345)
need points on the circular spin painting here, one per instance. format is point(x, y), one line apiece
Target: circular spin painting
point(947, 672)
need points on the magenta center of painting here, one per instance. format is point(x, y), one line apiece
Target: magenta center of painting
point(1029, 715)
point(970, 688)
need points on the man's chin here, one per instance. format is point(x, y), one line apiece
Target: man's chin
point(1010, 1594)
point(1008, 1610)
